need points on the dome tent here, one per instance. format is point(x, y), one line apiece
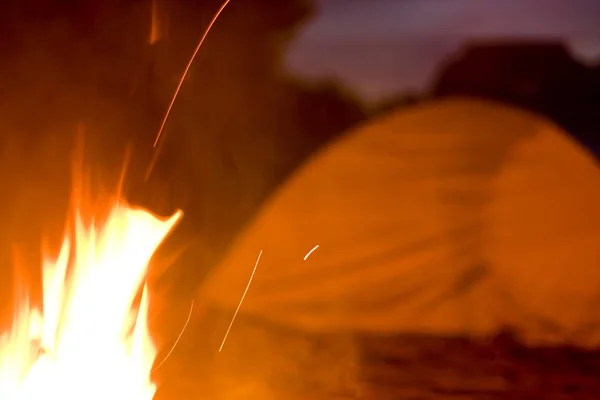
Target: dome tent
point(457, 217)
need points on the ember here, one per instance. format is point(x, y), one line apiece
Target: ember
point(89, 342)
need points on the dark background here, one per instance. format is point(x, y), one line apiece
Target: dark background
point(401, 43)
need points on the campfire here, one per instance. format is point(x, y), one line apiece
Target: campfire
point(89, 340)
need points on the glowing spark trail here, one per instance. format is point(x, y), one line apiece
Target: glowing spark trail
point(177, 340)
point(241, 301)
point(154, 32)
point(310, 252)
point(183, 76)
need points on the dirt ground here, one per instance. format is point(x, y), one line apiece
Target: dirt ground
point(264, 361)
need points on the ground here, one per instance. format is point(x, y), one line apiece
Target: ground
point(264, 361)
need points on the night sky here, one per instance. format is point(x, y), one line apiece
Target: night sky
point(382, 47)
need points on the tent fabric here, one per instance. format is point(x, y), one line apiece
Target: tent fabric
point(455, 217)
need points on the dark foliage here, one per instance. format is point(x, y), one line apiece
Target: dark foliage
point(540, 76)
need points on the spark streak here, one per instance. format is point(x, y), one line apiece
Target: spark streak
point(183, 76)
point(241, 301)
point(177, 340)
point(310, 252)
point(154, 31)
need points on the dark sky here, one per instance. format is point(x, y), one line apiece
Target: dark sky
point(381, 47)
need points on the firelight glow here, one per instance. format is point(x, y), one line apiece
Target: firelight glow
point(89, 342)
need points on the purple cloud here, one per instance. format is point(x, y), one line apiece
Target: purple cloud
point(380, 47)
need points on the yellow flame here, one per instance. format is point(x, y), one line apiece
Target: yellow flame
point(89, 343)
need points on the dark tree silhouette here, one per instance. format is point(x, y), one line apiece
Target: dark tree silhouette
point(241, 124)
point(540, 76)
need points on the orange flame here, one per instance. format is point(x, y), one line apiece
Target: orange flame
point(89, 343)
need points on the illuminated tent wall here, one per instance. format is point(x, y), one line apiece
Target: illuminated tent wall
point(458, 217)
